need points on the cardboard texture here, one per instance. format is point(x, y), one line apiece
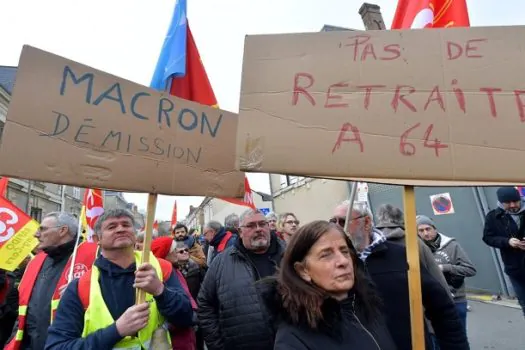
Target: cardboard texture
point(420, 107)
point(71, 124)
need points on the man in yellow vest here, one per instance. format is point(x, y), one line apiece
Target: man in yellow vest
point(98, 310)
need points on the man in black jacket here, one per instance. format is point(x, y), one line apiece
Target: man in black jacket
point(386, 264)
point(505, 230)
point(230, 313)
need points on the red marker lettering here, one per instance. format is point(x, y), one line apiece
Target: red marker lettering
point(368, 92)
point(398, 97)
point(297, 89)
point(438, 98)
point(490, 95)
point(341, 138)
point(330, 96)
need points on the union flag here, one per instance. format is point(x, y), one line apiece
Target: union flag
point(431, 14)
point(92, 208)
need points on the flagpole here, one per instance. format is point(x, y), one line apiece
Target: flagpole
point(75, 250)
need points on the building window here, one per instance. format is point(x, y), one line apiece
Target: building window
point(288, 180)
point(36, 213)
point(76, 192)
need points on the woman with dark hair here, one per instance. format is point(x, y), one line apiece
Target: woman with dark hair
point(322, 299)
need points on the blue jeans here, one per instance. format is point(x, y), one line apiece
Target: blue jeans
point(519, 289)
point(461, 307)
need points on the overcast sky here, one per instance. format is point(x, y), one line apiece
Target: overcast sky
point(124, 37)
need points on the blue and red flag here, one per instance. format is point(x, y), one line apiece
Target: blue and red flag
point(179, 69)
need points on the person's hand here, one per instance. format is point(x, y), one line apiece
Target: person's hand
point(515, 243)
point(146, 279)
point(133, 319)
point(440, 267)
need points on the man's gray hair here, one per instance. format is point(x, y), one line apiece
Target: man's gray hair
point(249, 212)
point(271, 216)
point(360, 208)
point(111, 214)
point(65, 219)
point(214, 225)
point(231, 220)
point(142, 233)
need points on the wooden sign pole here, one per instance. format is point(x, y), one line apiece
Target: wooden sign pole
point(148, 237)
point(414, 273)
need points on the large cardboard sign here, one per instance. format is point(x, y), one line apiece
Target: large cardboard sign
point(71, 124)
point(407, 107)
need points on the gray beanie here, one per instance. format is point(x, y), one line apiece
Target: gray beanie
point(425, 220)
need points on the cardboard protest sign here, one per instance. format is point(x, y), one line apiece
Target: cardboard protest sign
point(418, 107)
point(71, 124)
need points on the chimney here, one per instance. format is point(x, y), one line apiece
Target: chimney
point(372, 18)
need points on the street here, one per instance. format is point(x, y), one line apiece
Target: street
point(495, 327)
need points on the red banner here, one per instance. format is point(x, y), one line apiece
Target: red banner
point(430, 14)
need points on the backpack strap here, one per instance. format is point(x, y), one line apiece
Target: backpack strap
point(84, 285)
point(224, 241)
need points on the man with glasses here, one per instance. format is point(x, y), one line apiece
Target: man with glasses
point(46, 277)
point(230, 312)
point(386, 264)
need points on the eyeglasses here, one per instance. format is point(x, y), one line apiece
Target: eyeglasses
point(181, 251)
point(342, 221)
point(43, 228)
point(291, 222)
point(254, 225)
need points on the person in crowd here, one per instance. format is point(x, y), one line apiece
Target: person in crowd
point(194, 275)
point(218, 238)
point(452, 261)
point(287, 226)
point(230, 311)
point(391, 222)
point(98, 310)
point(166, 248)
point(231, 223)
point(386, 264)
point(272, 221)
point(322, 298)
point(140, 238)
point(181, 235)
point(505, 230)
point(45, 278)
point(8, 305)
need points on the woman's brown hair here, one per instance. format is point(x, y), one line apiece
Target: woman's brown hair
point(305, 300)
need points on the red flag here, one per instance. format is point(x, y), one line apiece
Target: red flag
point(93, 206)
point(155, 225)
point(431, 14)
point(4, 181)
point(247, 201)
point(195, 85)
point(174, 215)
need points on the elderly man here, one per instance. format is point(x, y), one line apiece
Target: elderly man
point(45, 278)
point(218, 239)
point(181, 234)
point(98, 310)
point(230, 311)
point(387, 266)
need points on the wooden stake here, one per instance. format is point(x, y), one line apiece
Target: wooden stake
point(414, 272)
point(148, 237)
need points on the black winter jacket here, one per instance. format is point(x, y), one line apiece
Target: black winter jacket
point(344, 326)
point(499, 229)
point(388, 268)
point(230, 312)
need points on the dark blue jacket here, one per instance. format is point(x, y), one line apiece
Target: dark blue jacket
point(216, 241)
point(388, 268)
point(117, 290)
